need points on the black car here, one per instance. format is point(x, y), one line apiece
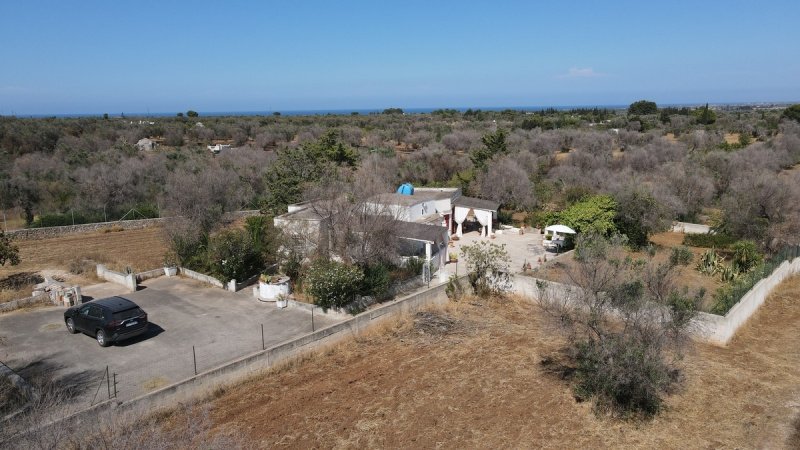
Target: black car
point(109, 320)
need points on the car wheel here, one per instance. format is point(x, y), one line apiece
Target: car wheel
point(71, 326)
point(102, 339)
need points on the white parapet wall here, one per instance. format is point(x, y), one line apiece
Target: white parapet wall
point(720, 329)
point(128, 280)
point(201, 277)
point(711, 328)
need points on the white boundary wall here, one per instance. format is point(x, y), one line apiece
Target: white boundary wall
point(707, 327)
point(127, 280)
point(720, 329)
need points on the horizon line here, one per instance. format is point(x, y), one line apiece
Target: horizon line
point(411, 109)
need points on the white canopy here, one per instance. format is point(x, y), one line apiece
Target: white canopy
point(560, 229)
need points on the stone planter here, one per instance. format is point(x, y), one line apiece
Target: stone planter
point(170, 271)
point(270, 290)
point(282, 302)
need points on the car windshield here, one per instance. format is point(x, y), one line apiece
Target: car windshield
point(128, 313)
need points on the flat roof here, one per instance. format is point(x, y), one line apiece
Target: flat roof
point(434, 234)
point(476, 203)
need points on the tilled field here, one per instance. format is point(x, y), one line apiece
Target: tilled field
point(63, 256)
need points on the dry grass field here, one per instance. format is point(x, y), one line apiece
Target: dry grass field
point(469, 375)
point(63, 256)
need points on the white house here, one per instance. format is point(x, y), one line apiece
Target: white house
point(218, 148)
point(146, 144)
point(426, 218)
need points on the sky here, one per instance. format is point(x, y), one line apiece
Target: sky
point(93, 57)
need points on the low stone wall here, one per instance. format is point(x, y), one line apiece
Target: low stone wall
point(691, 228)
point(21, 303)
point(127, 280)
point(49, 232)
point(149, 274)
point(201, 277)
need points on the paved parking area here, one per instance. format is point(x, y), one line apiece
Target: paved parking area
point(184, 314)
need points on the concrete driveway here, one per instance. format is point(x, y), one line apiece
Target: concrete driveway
point(220, 325)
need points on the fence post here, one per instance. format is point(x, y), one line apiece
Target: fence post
point(263, 347)
point(115, 385)
point(194, 357)
point(312, 319)
point(108, 383)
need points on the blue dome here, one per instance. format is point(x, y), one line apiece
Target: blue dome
point(406, 189)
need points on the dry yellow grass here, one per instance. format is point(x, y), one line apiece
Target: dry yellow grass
point(477, 381)
point(139, 249)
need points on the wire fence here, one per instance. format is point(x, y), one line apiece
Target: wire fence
point(727, 297)
point(124, 382)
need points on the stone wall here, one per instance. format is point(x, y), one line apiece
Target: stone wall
point(49, 232)
point(23, 302)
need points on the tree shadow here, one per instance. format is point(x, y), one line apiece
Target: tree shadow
point(40, 374)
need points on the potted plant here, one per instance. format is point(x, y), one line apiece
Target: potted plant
point(170, 266)
point(270, 287)
point(453, 257)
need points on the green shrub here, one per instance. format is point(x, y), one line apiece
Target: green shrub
point(333, 284)
point(708, 240)
point(232, 255)
point(377, 281)
point(746, 256)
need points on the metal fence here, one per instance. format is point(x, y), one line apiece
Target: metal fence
point(727, 297)
point(141, 377)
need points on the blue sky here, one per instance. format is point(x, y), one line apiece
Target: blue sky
point(161, 56)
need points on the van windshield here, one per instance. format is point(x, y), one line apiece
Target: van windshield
point(128, 313)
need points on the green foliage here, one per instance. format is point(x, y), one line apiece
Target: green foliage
point(454, 290)
point(294, 168)
point(792, 113)
point(710, 262)
point(191, 113)
point(9, 253)
point(493, 144)
point(333, 284)
point(264, 237)
point(592, 214)
point(505, 217)
point(730, 294)
point(705, 115)
point(623, 354)
point(709, 240)
point(487, 268)
point(643, 107)
point(680, 256)
point(634, 216)
point(377, 281)
point(745, 256)
point(621, 375)
point(232, 255)
point(393, 111)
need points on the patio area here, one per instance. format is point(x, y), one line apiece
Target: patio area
point(521, 248)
